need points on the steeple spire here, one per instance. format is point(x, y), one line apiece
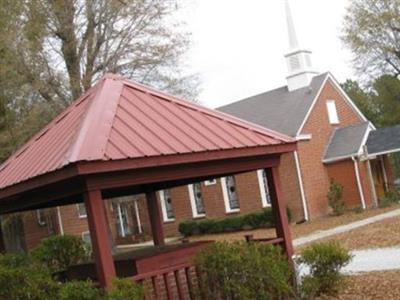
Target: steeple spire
point(298, 60)
point(293, 42)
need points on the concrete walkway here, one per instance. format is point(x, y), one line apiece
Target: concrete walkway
point(344, 228)
point(379, 259)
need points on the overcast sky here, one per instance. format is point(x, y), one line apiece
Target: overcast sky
point(239, 44)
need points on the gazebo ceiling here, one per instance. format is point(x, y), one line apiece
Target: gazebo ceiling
point(119, 124)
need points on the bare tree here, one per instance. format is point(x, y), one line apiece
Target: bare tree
point(65, 46)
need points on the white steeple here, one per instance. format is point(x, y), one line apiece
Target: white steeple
point(298, 60)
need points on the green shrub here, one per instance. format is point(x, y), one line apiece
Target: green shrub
point(23, 279)
point(124, 289)
point(390, 198)
point(243, 271)
point(325, 261)
point(61, 251)
point(82, 290)
point(335, 198)
point(233, 223)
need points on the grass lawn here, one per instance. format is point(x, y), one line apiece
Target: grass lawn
point(299, 230)
point(371, 286)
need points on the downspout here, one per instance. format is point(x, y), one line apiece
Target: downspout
point(303, 196)
point(371, 178)
point(60, 222)
point(138, 217)
point(360, 189)
point(385, 178)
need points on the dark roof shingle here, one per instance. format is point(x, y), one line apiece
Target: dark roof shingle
point(278, 109)
point(384, 140)
point(346, 142)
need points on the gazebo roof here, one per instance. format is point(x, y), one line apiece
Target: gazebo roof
point(118, 119)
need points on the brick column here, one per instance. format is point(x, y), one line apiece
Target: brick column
point(279, 210)
point(155, 217)
point(99, 235)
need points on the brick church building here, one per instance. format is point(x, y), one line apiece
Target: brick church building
point(335, 143)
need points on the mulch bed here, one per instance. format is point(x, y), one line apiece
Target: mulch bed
point(376, 235)
point(371, 286)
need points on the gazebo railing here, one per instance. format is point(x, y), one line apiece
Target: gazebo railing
point(177, 282)
point(180, 282)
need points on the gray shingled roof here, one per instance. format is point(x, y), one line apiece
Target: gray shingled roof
point(346, 141)
point(278, 109)
point(384, 140)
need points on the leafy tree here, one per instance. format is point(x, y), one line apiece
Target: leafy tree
point(380, 102)
point(362, 98)
point(372, 32)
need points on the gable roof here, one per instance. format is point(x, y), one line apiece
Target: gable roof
point(384, 140)
point(346, 142)
point(119, 119)
point(278, 109)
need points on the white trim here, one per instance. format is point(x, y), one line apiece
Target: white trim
point(139, 222)
point(337, 86)
point(302, 193)
point(193, 203)
point(228, 208)
point(385, 179)
point(164, 209)
point(210, 182)
point(79, 215)
point(84, 233)
point(262, 187)
point(312, 106)
point(39, 218)
point(360, 189)
point(304, 137)
point(364, 140)
point(339, 158)
point(347, 98)
point(384, 152)
point(121, 221)
point(60, 222)
point(372, 183)
point(331, 108)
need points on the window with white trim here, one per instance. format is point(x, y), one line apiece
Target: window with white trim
point(196, 200)
point(230, 195)
point(264, 190)
point(332, 112)
point(41, 217)
point(166, 206)
point(86, 237)
point(210, 182)
point(81, 210)
point(122, 218)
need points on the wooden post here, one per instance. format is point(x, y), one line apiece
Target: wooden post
point(98, 227)
point(155, 217)
point(279, 210)
point(2, 243)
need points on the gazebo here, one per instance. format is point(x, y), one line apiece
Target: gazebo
point(122, 138)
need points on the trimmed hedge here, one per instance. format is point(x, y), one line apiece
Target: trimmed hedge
point(263, 219)
point(240, 270)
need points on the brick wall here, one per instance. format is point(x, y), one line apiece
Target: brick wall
point(315, 176)
point(336, 172)
point(290, 186)
point(247, 189)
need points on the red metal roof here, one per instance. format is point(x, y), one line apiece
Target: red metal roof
point(119, 119)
